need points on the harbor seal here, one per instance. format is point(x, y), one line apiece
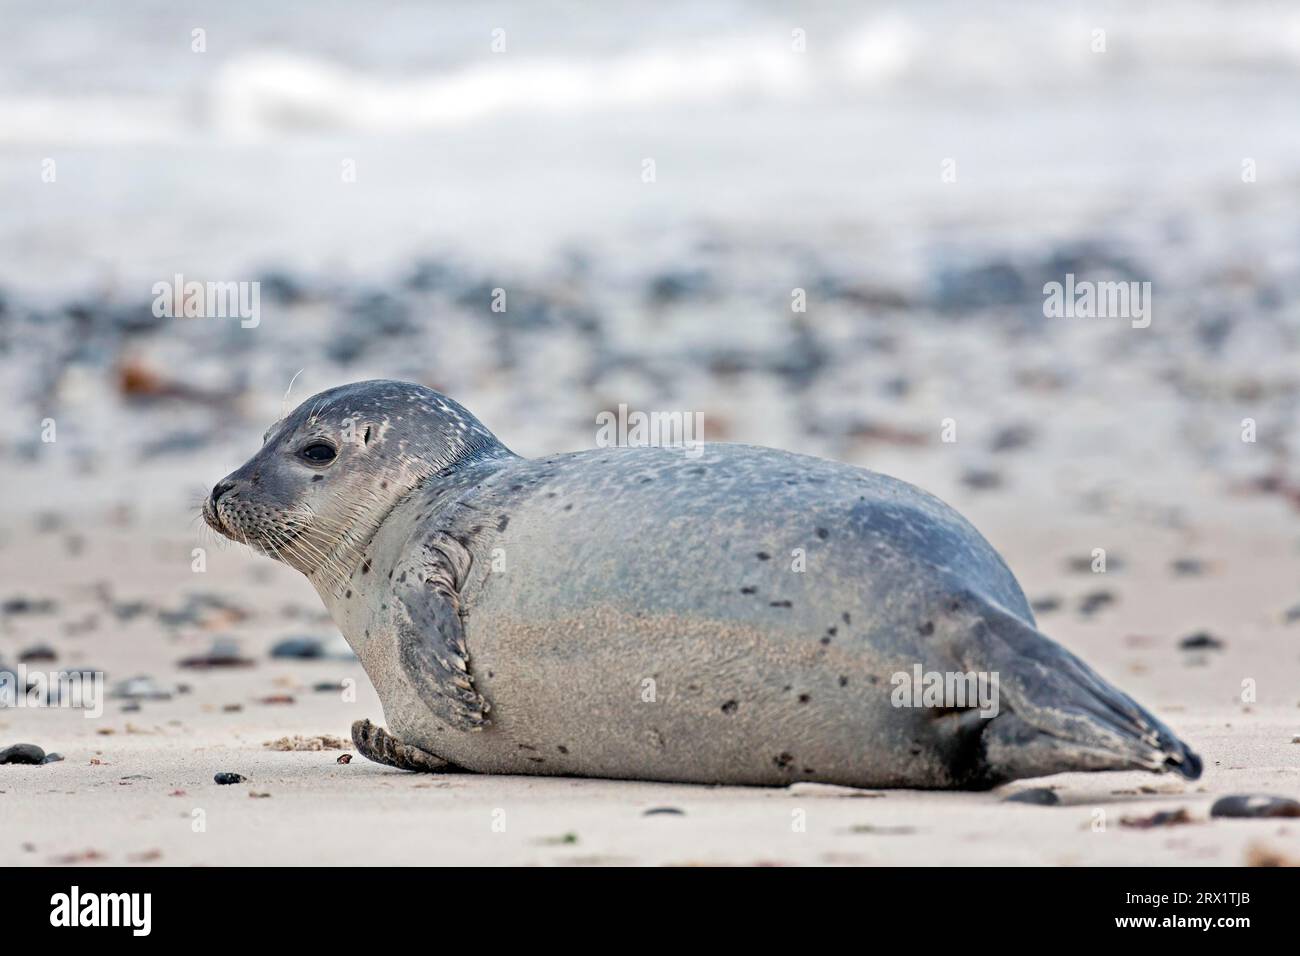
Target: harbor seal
point(740, 616)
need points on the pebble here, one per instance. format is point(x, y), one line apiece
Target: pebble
point(38, 653)
point(664, 812)
point(981, 479)
point(1255, 805)
point(52, 758)
point(225, 779)
point(24, 605)
point(1094, 601)
point(1045, 605)
point(299, 647)
point(1038, 796)
point(140, 687)
point(1201, 641)
point(1164, 818)
point(1011, 438)
point(22, 753)
point(223, 653)
point(203, 610)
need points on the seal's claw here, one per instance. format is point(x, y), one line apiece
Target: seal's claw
point(375, 743)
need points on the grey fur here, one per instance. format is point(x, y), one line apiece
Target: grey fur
point(635, 613)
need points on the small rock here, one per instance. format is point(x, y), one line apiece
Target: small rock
point(1094, 601)
point(1164, 818)
point(225, 779)
point(22, 753)
point(981, 479)
point(52, 758)
point(344, 758)
point(1038, 796)
point(664, 812)
point(24, 605)
point(1045, 605)
point(38, 653)
point(1012, 437)
point(206, 611)
point(1201, 641)
point(299, 647)
point(140, 687)
point(223, 653)
point(1188, 567)
point(1255, 805)
point(1292, 614)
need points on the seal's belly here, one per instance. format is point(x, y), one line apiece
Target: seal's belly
point(612, 694)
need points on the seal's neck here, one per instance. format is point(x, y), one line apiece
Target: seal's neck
point(352, 552)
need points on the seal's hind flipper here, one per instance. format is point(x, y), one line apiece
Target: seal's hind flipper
point(375, 743)
point(431, 636)
point(1055, 714)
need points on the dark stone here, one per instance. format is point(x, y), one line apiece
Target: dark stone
point(223, 653)
point(981, 479)
point(1094, 601)
point(22, 753)
point(1201, 641)
point(1045, 605)
point(225, 779)
point(1038, 797)
point(299, 647)
point(24, 605)
point(1255, 805)
point(1188, 567)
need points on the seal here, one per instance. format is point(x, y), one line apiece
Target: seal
point(740, 615)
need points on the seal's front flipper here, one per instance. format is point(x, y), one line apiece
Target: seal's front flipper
point(1055, 713)
point(375, 743)
point(431, 636)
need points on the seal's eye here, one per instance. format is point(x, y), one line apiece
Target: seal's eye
point(318, 453)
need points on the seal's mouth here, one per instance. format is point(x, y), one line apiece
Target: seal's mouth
point(213, 520)
point(271, 535)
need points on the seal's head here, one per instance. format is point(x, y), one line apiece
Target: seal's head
point(329, 473)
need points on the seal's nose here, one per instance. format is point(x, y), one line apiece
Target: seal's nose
point(220, 489)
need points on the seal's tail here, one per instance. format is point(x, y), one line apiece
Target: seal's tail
point(1055, 713)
